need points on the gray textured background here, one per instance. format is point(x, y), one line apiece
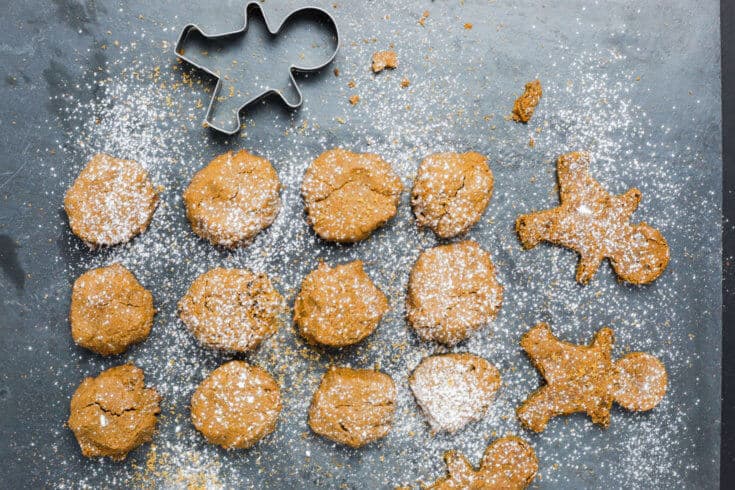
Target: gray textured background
point(670, 149)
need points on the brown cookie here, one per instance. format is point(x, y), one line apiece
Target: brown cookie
point(353, 406)
point(509, 463)
point(233, 198)
point(114, 413)
point(349, 195)
point(231, 309)
point(525, 105)
point(451, 191)
point(110, 202)
point(236, 405)
point(452, 291)
point(454, 389)
point(338, 306)
point(582, 378)
point(110, 310)
point(384, 59)
point(596, 225)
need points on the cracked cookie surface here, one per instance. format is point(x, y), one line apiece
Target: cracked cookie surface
point(236, 405)
point(233, 198)
point(110, 310)
point(349, 195)
point(232, 309)
point(110, 202)
point(114, 413)
point(338, 306)
point(353, 406)
point(452, 292)
point(451, 191)
point(454, 389)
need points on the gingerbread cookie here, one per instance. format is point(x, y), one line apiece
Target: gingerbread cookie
point(349, 195)
point(233, 198)
point(452, 292)
point(353, 406)
point(596, 225)
point(454, 389)
point(232, 309)
point(236, 405)
point(451, 191)
point(509, 463)
point(110, 202)
point(384, 59)
point(110, 310)
point(338, 306)
point(114, 413)
point(582, 378)
point(525, 105)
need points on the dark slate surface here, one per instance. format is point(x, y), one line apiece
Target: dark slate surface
point(52, 48)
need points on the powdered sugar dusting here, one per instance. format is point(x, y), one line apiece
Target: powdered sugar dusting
point(149, 108)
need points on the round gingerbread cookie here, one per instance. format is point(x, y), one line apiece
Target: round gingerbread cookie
point(114, 413)
point(451, 191)
point(452, 291)
point(110, 310)
point(231, 309)
point(110, 202)
point(349, 195)
point(236, 405)
point(233, 198)
point(338, 306)
point(353, 406)
point(454, 389)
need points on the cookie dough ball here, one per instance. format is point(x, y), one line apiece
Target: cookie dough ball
point(338, 306)
point(454, 389)
point(451, 191)
point(349, 195)
point(110, 310)
point(452, 291)
point(231, 309)
point(233, 198)
point(114, 413)
point(236, 406)
point(353, 407)
point(110, 202)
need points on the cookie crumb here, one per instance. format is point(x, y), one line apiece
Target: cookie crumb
point(405, 83)
point(336, 72)
point(354, 99)
point(384, 59)
point(531, 143)
point(351, 84)
point(468, 25)
point(525, 105)
point(424, 16)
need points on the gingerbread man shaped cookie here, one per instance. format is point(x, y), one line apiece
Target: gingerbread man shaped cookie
point(596, 224)
point(582, 378)
point(509, 463)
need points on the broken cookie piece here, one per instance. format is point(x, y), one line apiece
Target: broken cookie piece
point(454, 389)
point(349, 195)
point(384, 59)
point(114, 413)
point(525, 105)
point(353, 406)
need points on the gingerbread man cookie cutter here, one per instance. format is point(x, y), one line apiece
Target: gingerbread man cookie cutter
point(193, 45)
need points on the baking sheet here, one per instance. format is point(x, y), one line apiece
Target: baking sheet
point(635, 84)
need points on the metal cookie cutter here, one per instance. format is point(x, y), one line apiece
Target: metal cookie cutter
point(307, 40)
